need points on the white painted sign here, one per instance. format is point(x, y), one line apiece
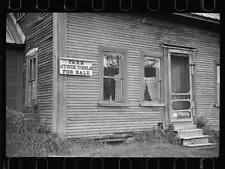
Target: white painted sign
point(69, 66)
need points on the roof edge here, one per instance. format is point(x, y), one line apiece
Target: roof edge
point(210, 20)
point(18, 29)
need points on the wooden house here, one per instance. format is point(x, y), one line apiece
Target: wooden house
point(94, 74)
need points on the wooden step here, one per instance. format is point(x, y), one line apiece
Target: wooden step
point(117, 138)
point(203, 145)
point(180, 126)
point(112, 140)
point(189, 132)
point(195, 139)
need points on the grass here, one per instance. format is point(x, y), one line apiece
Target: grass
point(149, 143)
point(140, 149)
point(26, 138)
point(203, 124)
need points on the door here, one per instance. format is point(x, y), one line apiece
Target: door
point(180, 87)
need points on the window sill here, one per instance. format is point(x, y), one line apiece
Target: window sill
point(145, 104)
point(217, 105)
point(111, 104)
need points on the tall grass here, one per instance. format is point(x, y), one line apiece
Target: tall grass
point(157, 135)
point(204, 124)
point(28, 137)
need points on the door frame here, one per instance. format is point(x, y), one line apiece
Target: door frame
point(167, 50)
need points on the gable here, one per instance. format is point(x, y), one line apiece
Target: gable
point(14, 34)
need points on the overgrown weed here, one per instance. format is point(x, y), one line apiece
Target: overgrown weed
point(28, 137)
point(157, 135)
point(204, 124)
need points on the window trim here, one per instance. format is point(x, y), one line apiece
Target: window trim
point(144, 103)
point(216, 104)
point(101, 71)
point(30, 55)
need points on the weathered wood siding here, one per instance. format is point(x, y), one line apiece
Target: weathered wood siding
point(134, 33)
point(13, 78)
point(38, 29)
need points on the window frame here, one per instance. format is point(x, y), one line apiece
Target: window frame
point(144, 103)
point(31, 55)
point(217, 102)
point(102, 102)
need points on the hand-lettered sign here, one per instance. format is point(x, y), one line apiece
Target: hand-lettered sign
point(79, 67)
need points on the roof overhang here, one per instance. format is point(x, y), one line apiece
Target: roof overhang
point(198, 17)
point(14, 34)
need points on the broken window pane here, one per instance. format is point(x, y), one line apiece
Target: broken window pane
point(111, 63)
point(152, 85)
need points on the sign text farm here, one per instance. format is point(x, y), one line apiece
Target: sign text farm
point(75, 67)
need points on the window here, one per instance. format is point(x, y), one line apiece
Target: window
point(19, 15)
point(31, 76)
point(151, 84)
point(217, 88)
point(112, 75)
point(151, 79)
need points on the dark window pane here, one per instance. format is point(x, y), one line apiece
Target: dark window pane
point(150, 72)
point(109, 89)
point(181, 105)
point(111, 63)
point(180, 74)
point(30, 73)
point(34, 68)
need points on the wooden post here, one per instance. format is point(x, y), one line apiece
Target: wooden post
point(59, 81)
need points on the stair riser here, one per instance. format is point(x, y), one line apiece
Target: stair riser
point(190, 133)
point(183, 127)
point(195, 141)
point(202, 147)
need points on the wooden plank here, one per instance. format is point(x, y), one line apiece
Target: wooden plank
point(18, 90)
point(11, 78)
point(55, 74)
point(61, 81)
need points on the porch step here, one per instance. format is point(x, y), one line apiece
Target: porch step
point(184, 125)
point(191, 136)
point(195, 140)
point(190, 132)
point(203, 145)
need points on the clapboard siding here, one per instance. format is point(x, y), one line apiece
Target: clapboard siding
point(38, 29)
point(84, 117)
point(12, 78)
point(134, 33)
